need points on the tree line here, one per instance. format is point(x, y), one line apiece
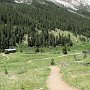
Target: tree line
point(16, 20)
point(45, 38)
point(10, 36)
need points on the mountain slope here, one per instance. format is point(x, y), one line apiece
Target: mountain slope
point(24, 1)
point(46, 16)
point(74, 4)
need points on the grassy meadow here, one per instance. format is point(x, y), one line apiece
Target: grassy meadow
point(76, 72)
point(28, 70)
point(25, 72)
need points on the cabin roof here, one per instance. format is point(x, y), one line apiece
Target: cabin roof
point(10, 49)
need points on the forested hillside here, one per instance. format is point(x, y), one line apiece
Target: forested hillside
point(16, 20)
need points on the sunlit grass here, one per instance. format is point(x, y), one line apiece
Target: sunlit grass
point(76, 73)
point(30, 70)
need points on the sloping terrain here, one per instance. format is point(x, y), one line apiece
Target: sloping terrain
point(73, 4)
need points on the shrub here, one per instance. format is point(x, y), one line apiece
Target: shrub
point(84, 54)
point(42, 51)
point(52, 62)
point(21, 51)
point(64, 50)
point(22, 87)
point(87, 63)
point(6, 72)
point(37, 50)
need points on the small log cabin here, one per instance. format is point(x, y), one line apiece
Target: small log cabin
point(7, 51)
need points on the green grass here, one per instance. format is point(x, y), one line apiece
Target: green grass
point(76, 73)
point(22, 73)
point(29, 70)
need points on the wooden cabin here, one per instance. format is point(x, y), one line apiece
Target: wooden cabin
point(7, 51)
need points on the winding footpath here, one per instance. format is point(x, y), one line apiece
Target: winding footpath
point(4, 55)
point(55, 81)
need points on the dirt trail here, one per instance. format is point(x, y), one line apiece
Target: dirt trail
point(5, 56)
point(53, 57)
point(55, 81)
